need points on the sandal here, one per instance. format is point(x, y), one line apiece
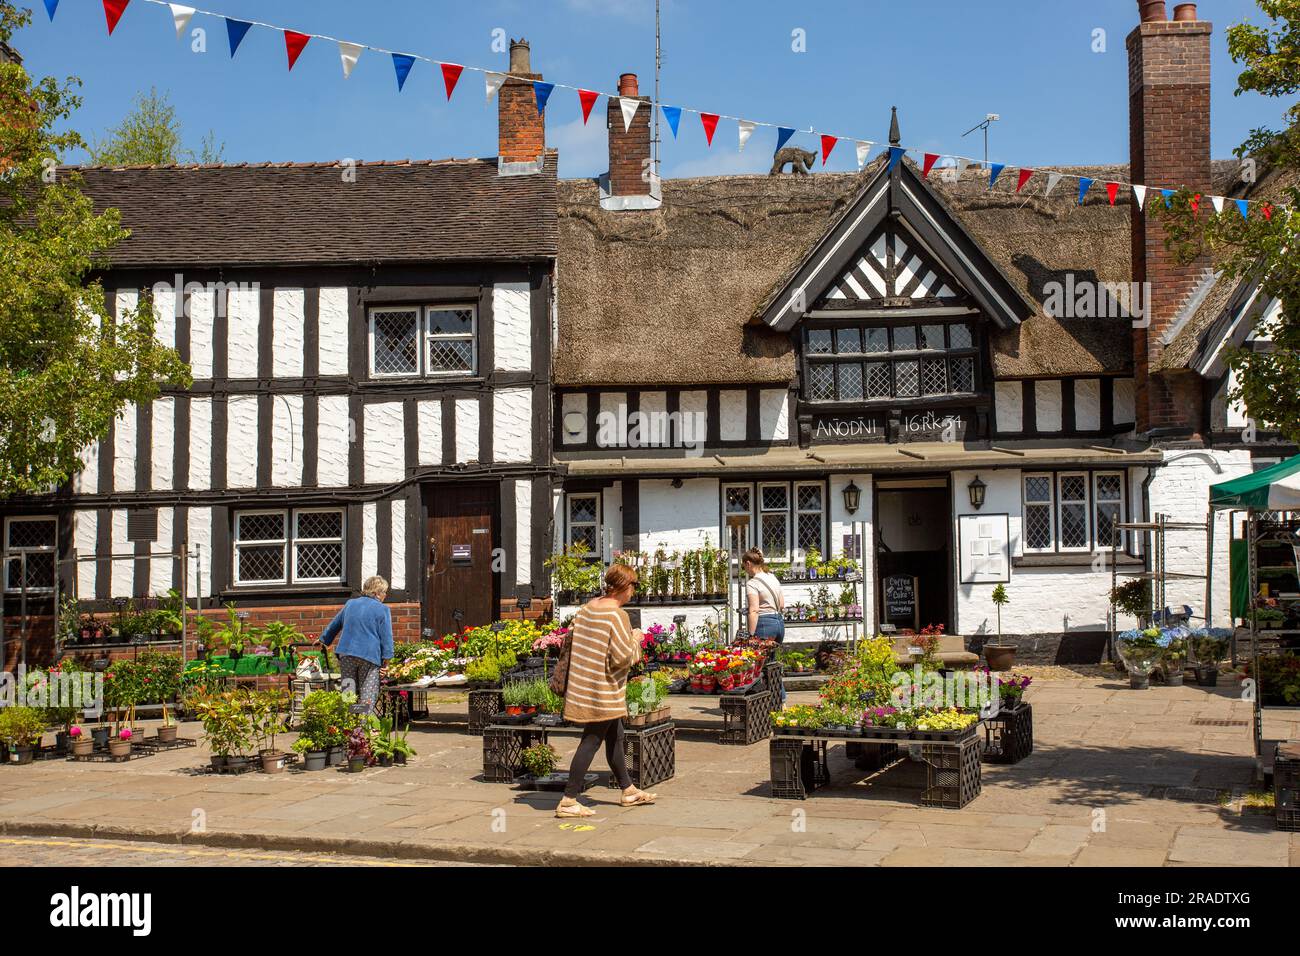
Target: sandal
point(638, 799)
point(573, 810)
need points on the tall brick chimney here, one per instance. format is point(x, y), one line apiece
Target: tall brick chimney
point(521, 129)
point(630, 183)
point(1169, 147)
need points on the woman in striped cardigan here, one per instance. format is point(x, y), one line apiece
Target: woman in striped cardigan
point(603, 651)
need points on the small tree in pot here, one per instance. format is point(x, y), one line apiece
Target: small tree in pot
point(1001, 656)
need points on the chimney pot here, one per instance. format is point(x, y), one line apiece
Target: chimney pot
point(627, 85)
point(1185, 13)
point(520, 57)
point(1153, 11)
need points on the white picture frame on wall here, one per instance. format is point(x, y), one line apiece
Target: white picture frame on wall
point(984, 548)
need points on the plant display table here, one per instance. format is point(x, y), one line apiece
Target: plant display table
point(1009, 736)
point(952, 760)
point(651, 751)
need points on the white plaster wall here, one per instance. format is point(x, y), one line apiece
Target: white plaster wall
point(332, 322)
point(654, 430)
point(694, 407)
point(774, 414)
point(86, 481)
point(122, 576)
point(557, 519)
point(1235, 414)
point(369, 539)
point(613, 415)
point(1009, 405)
point(287, 333)
point(841, 524)
point(243, 307)
point(333, 440)
point(467, 430)
point(575, 405)
point(124, 450)
point(241, 441)
point(523, 533)
point(199, 529)
point(1087, 404)
point(201, 316)
point(85, 527)
point(163, 453)
point(512, 425)
point(385, 446)
point(731, 412)
point(1124, 401)
point(164, 315)
point(512, 339)
point(1047, 405)
point(1180, 490)
point(286, 440)
point(125, 300)
point(200, 477)
point(160, 569)
point(679, 518)
point(428, 429)
point(398, 578)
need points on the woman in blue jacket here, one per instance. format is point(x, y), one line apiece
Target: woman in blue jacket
point(367, 641)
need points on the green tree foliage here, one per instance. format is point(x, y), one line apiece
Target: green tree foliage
point(151, 136)
point(66, 368)
point(1264, 245)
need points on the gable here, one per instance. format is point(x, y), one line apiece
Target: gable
point(896, 237)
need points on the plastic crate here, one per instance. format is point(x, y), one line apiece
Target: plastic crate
point(746, 720)
point(1286, 790)
point(952, 773)
point(798, 768)
point(503, 749)
point(1009, 736)
point(651, 755)
point(871, 756)
point(482, 705)
point(773, 672)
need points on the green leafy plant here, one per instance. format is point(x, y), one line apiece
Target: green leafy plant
point(572, 571)
point(999, 597)
point(280, 636)
point(227, 720)
point(267, 716)
point(21, 726)
point(1133, 597)
point(236, 635)
point(539, 759)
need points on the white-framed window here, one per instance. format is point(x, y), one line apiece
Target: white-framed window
point(809, 516)
point(289, 546)
point(409, 341)
point(737, 502)
point(1107, 506)
point(35, 539)
point(774, 521)
point(583, 523)
point(1039, 525)
point(1072, 524)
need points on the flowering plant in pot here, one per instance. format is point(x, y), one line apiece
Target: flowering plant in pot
point(120, 746)
point(82, 744)
point(1011, 688)
point(1140, 650)
point(360, 752)
point(21, 729)
point(539, 760)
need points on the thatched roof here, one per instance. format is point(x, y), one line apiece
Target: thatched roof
point(669, 296)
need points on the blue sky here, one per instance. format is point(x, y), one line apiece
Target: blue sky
point(944, 63)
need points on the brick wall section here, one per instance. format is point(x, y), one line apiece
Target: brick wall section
point(1169, 146)
point(521, 130)
point(629, 151)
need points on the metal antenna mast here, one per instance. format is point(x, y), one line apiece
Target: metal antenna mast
point(990, 119)
point(654, 107)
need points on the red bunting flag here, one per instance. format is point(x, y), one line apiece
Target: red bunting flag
point(930, 160)
point(450, 74)
point(710, 121)
point(1025, 176)
point(1267, 210)
point(113, 10)
point(588, 98)
point(828, 144)
point(293, 44)
point(1112, 190)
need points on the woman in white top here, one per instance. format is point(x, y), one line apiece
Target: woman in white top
point(766, 601)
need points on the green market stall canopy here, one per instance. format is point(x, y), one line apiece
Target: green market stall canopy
point(1275, 488)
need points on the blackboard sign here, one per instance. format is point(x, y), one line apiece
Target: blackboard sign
point(900, 598)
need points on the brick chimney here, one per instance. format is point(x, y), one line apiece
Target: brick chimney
point(1169, 147)
point(521, 130)
point(629, 152)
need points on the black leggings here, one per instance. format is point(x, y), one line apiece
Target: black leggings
point(611, 733)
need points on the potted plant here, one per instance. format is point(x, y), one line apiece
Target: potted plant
point(383, 742)
point(1269, 618)
point(21, 729)
point(227, 729)
point(360, 753)
point(1133, 597)
point(82, 745)
point(120, 746)
point(1140, 650)
point(315, 753)
point(513, 696)
point(1000, 655)
point(280, 638)
point(267, 718)
point(1174, 658)
point(539, 760)
point(570, 573)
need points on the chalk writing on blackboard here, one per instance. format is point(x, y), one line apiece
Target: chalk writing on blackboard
point(900, 597)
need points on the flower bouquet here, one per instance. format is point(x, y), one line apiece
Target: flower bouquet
point(1141, 649)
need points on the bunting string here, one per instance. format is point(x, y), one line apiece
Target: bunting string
point(350, 54)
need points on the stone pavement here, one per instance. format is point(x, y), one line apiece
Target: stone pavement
point(1117, 778)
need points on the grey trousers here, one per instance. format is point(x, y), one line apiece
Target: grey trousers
point(364, 677)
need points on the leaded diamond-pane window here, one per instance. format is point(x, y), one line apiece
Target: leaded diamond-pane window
point(959, 336)
point(261, 526)
point(738, 500)
point(775, 542)
point(451, 356)
point(810, 498)
point(932, 337)
point(961, 374)
point(584, 524)
point(848, 341)
point(834, 376)
point(877, 340)
point(775, 498)
point(450, 341)
point(393, 342)
point(318, 545)
point(447, 334)
point(297, 546)
point(877, 385)
point(934, 377)
point(1108, 498)
point(905, 338)
point(320, 562)
point(821, 383)
point(850, 382)
point(820, 342)
point(1074, 525)
point(906, 379)
point(260, 564)
point(1038, 527)
point(810, 532)
point(30, 543)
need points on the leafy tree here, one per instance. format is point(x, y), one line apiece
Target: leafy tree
point(66, 367)
point(151, 136)
point(1265, 245)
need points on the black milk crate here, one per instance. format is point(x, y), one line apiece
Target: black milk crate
point(1286, 790)
point(918, 736)
point(798, 767)
point(871, 756)
point(482, 705)
point(1009, 735)
point(746, 720)
point(651, 754)
point(952, 773)
point(773, 672)
point(503, 749)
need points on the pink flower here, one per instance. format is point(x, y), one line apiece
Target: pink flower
point(125, 734)
point(74, 731)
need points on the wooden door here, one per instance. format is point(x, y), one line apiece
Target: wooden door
point(460, 536)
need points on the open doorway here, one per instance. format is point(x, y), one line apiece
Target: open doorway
point(914, 553)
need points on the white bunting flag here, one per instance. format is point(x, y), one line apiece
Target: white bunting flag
point(864, 151)
point(1140, 194)
point(1052, 180)
point(493, 82)
point(746, 130)
point(349, 53)
point(962, 163)
point(181, 15)
point(1218, 204)
point(628, 105)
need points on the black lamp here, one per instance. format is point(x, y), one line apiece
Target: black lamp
point(976, 490)
point(852, 497)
